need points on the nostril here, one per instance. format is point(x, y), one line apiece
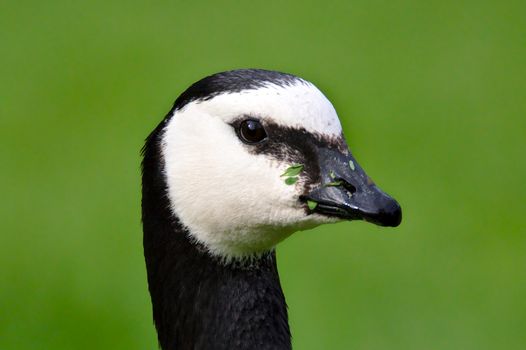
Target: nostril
point(348, 186)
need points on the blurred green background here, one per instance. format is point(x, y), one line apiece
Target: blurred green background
point(432, 97)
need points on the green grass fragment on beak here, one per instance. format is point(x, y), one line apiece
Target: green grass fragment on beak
point(351, 165)
point(312, 204)
point(332, 175)
point(333, 183)
point(291, 180)
point(293, 170)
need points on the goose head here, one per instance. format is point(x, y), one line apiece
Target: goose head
point(251, 156)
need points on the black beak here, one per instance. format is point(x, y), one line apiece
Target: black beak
point(347, 192)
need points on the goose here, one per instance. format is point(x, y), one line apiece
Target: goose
point(243, 159)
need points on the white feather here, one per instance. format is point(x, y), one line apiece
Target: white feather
point(232, 201)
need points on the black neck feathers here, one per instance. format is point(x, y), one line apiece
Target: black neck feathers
point(199, 302)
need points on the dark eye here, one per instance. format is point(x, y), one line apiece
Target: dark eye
point(251, 131)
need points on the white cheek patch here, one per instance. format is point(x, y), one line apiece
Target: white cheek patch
point(232, 201)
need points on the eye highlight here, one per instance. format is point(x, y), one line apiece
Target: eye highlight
point(251, 131)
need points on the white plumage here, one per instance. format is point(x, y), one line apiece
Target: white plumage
point(231, 200)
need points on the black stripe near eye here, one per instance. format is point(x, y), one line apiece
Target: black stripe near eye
point(294, 145)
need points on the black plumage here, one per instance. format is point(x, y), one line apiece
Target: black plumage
point(200, 302)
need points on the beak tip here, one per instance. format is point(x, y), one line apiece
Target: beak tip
point(392, 215)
